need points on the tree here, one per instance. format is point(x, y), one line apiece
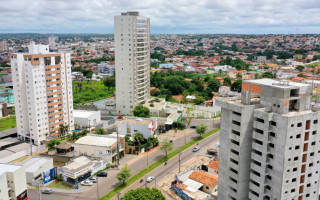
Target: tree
point(100, 131)
point(109, 82)
point(166, 146)
point(52, 143)
point(124, 174)
point(236, 86)
point(144, 194)
point(201, 129)
point(300, 68)
point(138, 138)
point(214, 85)
point(141, 111)
point(227, 81)
point(60, 177)
point(268, 75)
point(63, 129)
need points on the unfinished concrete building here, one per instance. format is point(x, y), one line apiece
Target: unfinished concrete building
point(269, 143)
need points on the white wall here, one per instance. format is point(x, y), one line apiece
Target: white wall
point(3, 187)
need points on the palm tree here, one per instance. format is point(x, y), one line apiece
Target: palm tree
point(63, 129)
point(138, 137)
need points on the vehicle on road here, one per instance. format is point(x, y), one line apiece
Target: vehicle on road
point(196, 148)
point(102, 174)
point(194, 127)
point(87, 183)
point(93, 179)
point(212, 151)
point(120, 117)
point(47, 191)
point(150, 178)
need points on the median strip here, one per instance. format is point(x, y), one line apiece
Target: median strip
point(156, 164)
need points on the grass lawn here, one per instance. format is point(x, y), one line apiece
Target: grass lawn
point(90, 92)
point(60, 185)
point(7, 123)
point(156, 164)
point(3, 75)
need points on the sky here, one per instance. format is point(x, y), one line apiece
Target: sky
point(166, 16)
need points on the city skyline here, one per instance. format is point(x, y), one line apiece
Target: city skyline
point(185, 17)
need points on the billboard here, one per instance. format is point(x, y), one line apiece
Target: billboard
point(48, 176)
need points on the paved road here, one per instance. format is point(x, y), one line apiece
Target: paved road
point(173, 164)
point(107, 184)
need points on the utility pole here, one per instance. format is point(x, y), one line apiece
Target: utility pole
point(97, 187)
point(118, 156)
point(155, 182)
point(179, 158)
point(39, 191)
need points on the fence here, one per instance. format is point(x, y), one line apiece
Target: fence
point(179, 191)
point(22, 153)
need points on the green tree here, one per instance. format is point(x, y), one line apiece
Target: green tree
point(166, 146)
point(138, 138)
point(214, 85)
point(60, 177)
point(227, 81)
point(300, 68)
point(141, 111)
point(124, 174)
point(144, 194)
point(201, 129)
point(52, 143)
point(236, 86)
point(100, 131)
point(109, 82)
point(268, 75)
point(63, 129)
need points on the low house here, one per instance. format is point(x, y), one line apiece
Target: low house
point(79, 169)
point(146, 127)
point(35, 166)
point(86, 118)
point(196, 184)
point(100, 146)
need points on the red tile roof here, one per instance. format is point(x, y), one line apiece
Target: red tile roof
point(204, 178)
point(214, 164)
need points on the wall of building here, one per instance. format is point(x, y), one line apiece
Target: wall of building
point(128, 128)
point(17, 181)
point(3, 187)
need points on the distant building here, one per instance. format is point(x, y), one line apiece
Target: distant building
point(261, 59)
point(132, 58)
point(52, 41)
point(146, 127)
point(268, 144)
point(42, 92)
point(167, 66)
point(3, 46)
point(13, 184)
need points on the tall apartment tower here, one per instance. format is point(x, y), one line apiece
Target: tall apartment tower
point(42, 92)
point(132, 60)
point(269, 143)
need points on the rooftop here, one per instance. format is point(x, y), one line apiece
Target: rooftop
point(8, 168)
point(214, 164)
point(97, 140)
point(137, 121)
point(203, 177)
point(271, 82)
point(35, 163)
point(84, 113)
point(77, 164)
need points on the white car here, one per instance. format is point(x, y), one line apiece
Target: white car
point(150, 178)
point(93, 179)
point(47, 191)
point(86, 182)
point(196, 148)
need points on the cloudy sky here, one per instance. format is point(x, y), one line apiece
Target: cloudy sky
point(167, 16)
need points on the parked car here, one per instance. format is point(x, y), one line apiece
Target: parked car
point(120, 117)
point(194, 127)
point(86, 182)
point(196, 148)
point(93, 179)
point(102, 174)
point(47, 191)
point(150, 178)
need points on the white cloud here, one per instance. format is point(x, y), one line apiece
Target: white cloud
point(179, 16)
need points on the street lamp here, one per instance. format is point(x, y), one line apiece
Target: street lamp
point(39, 190)
point(97, 187)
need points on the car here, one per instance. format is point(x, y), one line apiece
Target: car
point(194, 127)
point(120, 117)
point(150, 178)
point(47, 191)
point(102, 174)
point(86, 182)
point(93, 179)
point(196, 148)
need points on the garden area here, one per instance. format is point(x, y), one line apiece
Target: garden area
point(90, 91)
point(7, 123)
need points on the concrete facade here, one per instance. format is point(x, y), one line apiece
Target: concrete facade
point(146, 127)
point(86, 117)
point(268, 143)
point(42, 92)
point(132, 60)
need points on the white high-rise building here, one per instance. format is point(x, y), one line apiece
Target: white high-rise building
point(3, 46)
point(52, 41)
point(269, 143)
point(132, 59)
point(42, 92)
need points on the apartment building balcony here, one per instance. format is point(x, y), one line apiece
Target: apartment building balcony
point(257, 168)
point(254, 187)
point(53, 72)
